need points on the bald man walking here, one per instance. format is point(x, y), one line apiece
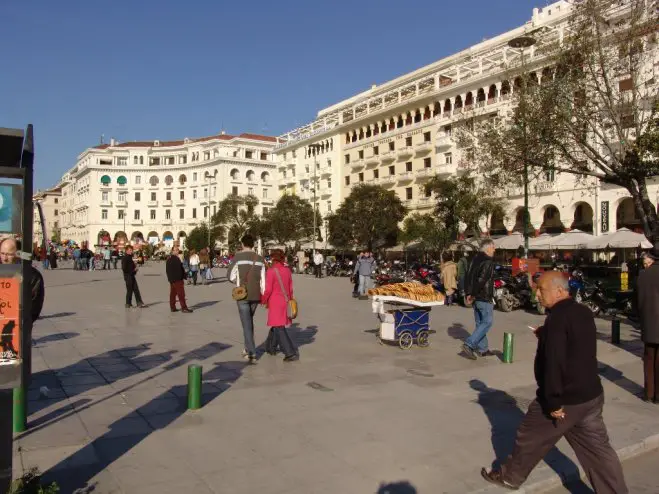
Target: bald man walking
point(569, 398)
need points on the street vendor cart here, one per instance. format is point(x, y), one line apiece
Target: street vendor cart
point(404, 313)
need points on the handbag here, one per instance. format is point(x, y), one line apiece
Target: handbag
point(240, 292)
point(291, 303)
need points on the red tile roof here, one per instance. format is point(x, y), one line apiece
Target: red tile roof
point(223, 137)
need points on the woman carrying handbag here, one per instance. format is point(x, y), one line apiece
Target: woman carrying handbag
point(277, 296)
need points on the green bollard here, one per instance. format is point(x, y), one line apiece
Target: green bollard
point(615, 331)
point(194, 387)
point(508, 345)
point(20, 417)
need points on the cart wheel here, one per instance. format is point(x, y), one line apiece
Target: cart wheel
point(405, 340)
point(422, 339)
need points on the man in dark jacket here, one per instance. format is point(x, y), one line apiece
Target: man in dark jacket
point(175, 276)
point(569, 398)
point(479, 291)
point(130, 270)
point(648, 307)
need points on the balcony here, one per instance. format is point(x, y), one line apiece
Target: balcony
point(406, 152)
point(166, 221)
point(388, 180)
point(325, 171)
point(405, 176)
point(372, 160)
point(180, 202)
point(136, 222)
point(443, 142)
point(290, 181)
point(543, 186)
point(152, 204)
point(446, 170)
point(105, 203)
point(425, 202)
point(425, 173)
point(387, 156)
point(167, 203)
point(122, 204)
point(357, 164)
point(267, 202)
point(325, 191)
point(423, 147)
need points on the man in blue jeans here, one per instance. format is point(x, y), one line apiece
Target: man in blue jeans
point(479, 290)
point(248, 270)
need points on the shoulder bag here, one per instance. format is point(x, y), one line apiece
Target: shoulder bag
point(240, 292)
point(291, 303)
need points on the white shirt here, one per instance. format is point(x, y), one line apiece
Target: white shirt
point(318, 258)
point(194, 260)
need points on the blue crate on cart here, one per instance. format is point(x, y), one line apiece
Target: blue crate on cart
point(412, 320)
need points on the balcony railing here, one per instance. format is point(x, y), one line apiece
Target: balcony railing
point(444, 141)
point(425, 173)
point(136, 222)
point(122, 204)
point(406, 151)
point(389, 179)
point(105, 203)
point(152, 204)
point(180, 202)
point(387, 155)
point(357, 163)
point(425, 202)
point(167, 203)
point(405, 176)
point(166, 221)
point(423, 147)
point(372, 160)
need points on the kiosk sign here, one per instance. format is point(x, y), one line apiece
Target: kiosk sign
point(10, 341)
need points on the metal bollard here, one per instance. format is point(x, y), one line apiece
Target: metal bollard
point(19, 415)
point(194, 387)
point(615, 331)
point(508, 346)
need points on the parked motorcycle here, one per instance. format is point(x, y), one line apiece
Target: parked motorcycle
point(600, 303)
point(512, 292)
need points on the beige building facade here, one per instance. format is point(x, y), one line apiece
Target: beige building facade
point(50, 202)
point(401, 133)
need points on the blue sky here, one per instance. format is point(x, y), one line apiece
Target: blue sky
point(166, 69)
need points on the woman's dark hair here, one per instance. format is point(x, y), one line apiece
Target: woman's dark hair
point(247, 241)
point(447, 256)
point(278, 255)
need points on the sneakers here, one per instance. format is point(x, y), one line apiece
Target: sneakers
point(250, 357)
point(292, 358)
point(487, 353)
point(186, 311)
point(470, 352)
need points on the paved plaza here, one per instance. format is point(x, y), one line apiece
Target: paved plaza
point(352, 416)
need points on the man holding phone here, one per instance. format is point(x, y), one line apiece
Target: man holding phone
point(569, 398)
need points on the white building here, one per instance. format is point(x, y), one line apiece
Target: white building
point(158, 190)
point(50, 201)
point(399, 135)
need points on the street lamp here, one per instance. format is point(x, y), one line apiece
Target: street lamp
point(521, 43)
point(209, 177)
point(316, 150)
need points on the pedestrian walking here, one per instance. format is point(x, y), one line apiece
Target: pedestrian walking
point(107, 256)
point(449, 272)
point(479, 290)
point(364, 270)
point(247, 269)
point(194, 265)
point(648, 307)
point(463, 267)
point(130, 270)
point(318, 264)
point(114, 257)
point(278, 291)
point(569, 397)
point(76, 258)
point(204, 265)
point(52, 258)
point(175, 276)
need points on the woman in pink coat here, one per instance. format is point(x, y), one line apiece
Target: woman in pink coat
point(275, 300)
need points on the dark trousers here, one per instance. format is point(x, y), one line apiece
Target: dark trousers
point(246, 310)
point(106, 263)
point(284, 341)
point(583, 427)
point(131, 287)
point(355, 288)
point(319, 270)
point(114, 262)
point(194, 276)
point(177, 289)
point(651, 371)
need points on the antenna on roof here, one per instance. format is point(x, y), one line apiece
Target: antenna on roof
point(102, 137)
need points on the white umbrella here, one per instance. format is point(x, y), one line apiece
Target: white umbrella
point(624, 238)
point(571, 240)
point(543, 242)
point(509, 242)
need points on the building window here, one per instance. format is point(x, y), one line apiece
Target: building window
point(392, 146)
point(205, 211)
point(181, 194)
point(141, 160)
point(194, 194)
point(427, 163)
point(105, 180)
point(376, 150)
point(408, 141)
point(346, 158)
point(248, 155)
point(265, 211)
point(153, 214)
point(361, 176)
point(347, 180)
point(376, 174)
point(392, 170)
point(234, 190)
point(135, 160)
point(104, 196)
point(250, 191)
point(153, 196)
point(448, 158)
point(169, 160)
point(426, 137)
point(138, 196)
point(56, 200)
point(361, 155)
point(183, 159)
point(104, 214)
point(120, 214)
point(329, 206)
point(153, 181)
point(181, 214)
point(168, 214)
point(408, 166)
point(194, 212)
point(205, 193)
point(408, 193)
point(122, 196)
point(168, 196)
point(136, 214)
point(264, 156)
point(207, 155)
point(213, 191)
point(123, 161)
point(138, 180)
point(265, 193)
point(194, 177)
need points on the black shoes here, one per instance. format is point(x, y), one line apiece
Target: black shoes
point(470, 352)
point(292, 358)
point(487, 353)
point(128, 306)
point(186, 311)
point(174, 310)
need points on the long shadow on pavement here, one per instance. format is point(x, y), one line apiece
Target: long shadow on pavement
point(402, 487)
point(505, 415)
point(618, 378)
point(74, 473)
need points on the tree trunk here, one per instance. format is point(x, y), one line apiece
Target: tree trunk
point(645, 209)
